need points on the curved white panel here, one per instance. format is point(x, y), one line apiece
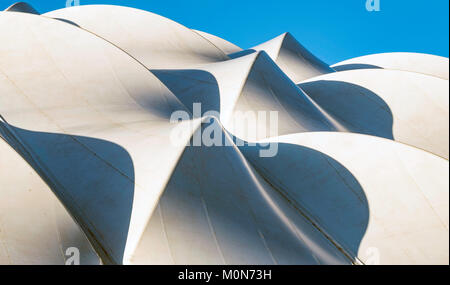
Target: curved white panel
point(155, 41)
point(407, 61)
point(407, 107)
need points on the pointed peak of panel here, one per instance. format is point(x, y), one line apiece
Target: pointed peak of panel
point(293, 58)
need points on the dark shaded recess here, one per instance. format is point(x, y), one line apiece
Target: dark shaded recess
point(23, 8)
point(353, 66)
point(98, 195)
point(357, 108)
point(67, 21)
point(325, 190)
point(191, 86)
point(241, 53)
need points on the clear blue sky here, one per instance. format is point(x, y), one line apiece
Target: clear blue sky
point(332, 29)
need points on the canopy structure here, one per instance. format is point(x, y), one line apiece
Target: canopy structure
point(93, 162)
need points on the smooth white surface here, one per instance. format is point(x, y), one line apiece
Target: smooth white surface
point(415, 62)
point(399, 194)
point(155, 41)
point(408, 107)
point(224, 45)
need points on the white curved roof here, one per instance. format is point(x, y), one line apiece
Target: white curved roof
point(224, 45)
point(85, 107)
point(155, 41)
point(407, 61)
point(101, 115)
point(408, 107)
point(371, 195)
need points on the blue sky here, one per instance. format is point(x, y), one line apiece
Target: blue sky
point(334, 30)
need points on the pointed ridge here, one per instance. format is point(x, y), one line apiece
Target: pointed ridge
point(267, 88)
point(293, 58)
point(289, 38)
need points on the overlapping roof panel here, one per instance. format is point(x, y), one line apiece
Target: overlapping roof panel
point(89, 159)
